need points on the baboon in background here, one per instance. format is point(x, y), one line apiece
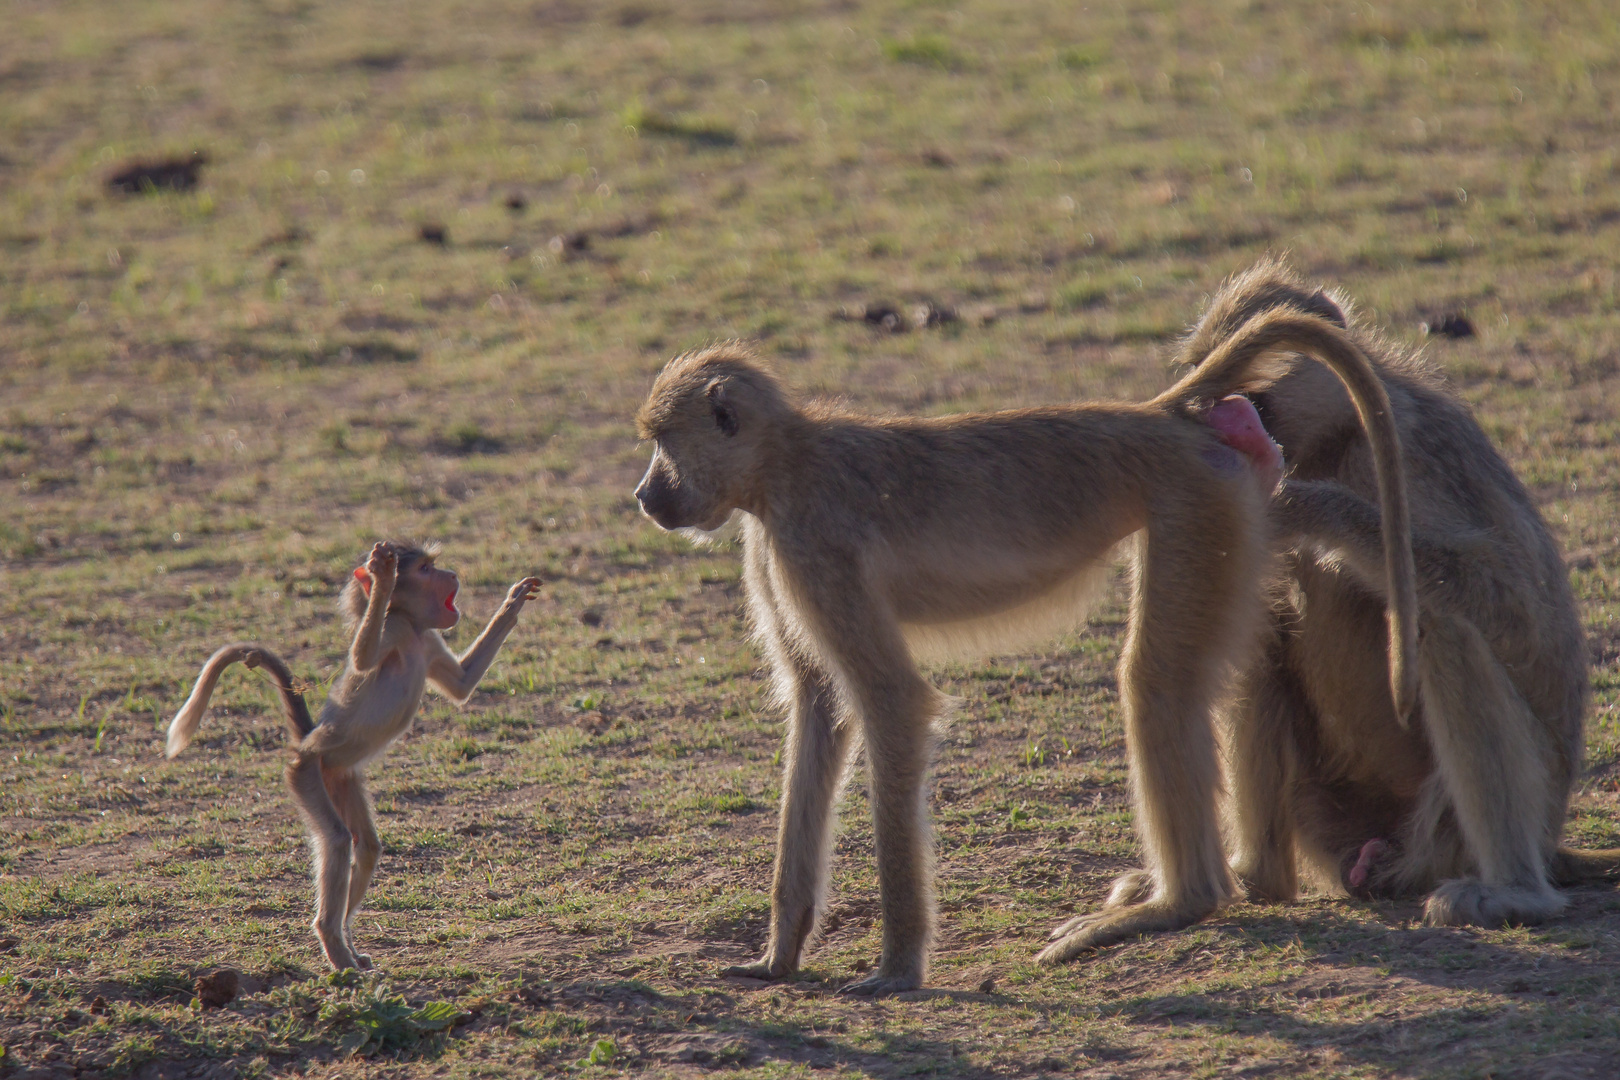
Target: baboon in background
point(866, 540)
point(395, 607)
point(1468, 801)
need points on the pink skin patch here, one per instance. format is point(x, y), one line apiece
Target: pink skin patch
point(1240, 428)
point(1371, 852)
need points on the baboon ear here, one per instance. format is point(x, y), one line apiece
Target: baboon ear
point(725, 414)
point(364, 579)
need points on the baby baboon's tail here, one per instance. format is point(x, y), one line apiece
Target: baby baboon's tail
point(1571, 867)
point(183, 728)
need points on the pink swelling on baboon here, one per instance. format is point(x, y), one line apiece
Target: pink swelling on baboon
point(1240, 428)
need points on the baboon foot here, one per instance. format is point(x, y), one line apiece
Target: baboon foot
point(1130, 888)
point(1110, 926)
point(759, 969)
point(337, 951)
point(363, 961)
point(878, 984)
point(1262, 884)
point(1467, 902)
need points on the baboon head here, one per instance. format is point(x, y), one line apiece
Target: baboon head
point(712, 417)
point(423, 592)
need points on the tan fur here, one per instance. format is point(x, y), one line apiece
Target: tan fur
point(868, 541)
point(1473, 796)
point(394, 608)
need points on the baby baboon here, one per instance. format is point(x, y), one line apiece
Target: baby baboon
point(1468, 802)
point(395, 607)
point(868, 540)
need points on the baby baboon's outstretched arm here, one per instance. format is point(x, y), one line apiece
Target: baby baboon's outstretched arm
point(459, 677)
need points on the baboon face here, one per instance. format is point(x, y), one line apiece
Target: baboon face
point(427, 594)
point(701, 454)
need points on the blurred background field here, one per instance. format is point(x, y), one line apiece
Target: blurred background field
point(432, 258)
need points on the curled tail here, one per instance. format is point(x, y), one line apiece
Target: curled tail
point(183, 728)
point(1258, 354)
point(1571, 867)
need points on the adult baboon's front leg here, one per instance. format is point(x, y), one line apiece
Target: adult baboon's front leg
point(1263, 765)
point(897, 710)
point(815, 756)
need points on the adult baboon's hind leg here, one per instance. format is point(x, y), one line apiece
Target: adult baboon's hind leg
point(1499, 779)
point(1196, 598)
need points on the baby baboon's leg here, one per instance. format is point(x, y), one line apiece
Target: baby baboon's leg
point(1196, 598)
point(1264, 764)
point(816, 755)
point(1497, 777)
point(348, 792)
point(333, 851)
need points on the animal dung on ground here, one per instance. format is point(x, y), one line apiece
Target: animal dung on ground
point(165, 174)
point(516, 203)
point(434, 233)
point(218, 989)
point(1452, 324)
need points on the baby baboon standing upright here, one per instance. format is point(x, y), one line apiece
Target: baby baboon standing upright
point(866, 539)
point(395, 606)
point(1466, 802)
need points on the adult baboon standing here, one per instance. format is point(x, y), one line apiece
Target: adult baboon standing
point(865, 539)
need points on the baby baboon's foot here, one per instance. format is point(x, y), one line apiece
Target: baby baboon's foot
point(1130, 888)
point(878, 984)
point(1113, 925)
point(337, 951)
point(1467, 902)
point(1360, 874)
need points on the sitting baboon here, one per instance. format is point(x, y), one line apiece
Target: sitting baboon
point(1467, 802)
point(394, 608)
point(867, 539)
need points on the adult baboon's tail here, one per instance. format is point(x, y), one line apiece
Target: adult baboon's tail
point(183, 728)
point(1571, 867)
point(1261, 352)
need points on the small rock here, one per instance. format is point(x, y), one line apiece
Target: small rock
point(98, 1007)
point(8, 946)
point(862, 966)
point(434, 233)
point(591, 617)
point(988, 986)
point(218, 989)
point(516, 203)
